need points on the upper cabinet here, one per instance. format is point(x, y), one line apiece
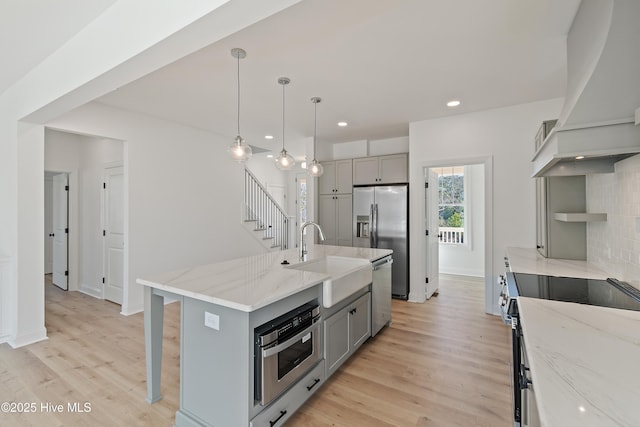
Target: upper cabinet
point(380, 170)
point(337, 177)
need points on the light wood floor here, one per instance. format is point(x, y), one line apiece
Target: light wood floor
point(443, 363)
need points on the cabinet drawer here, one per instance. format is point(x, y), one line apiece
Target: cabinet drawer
point(286, 405)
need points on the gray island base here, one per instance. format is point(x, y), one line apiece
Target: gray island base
point(221, 306)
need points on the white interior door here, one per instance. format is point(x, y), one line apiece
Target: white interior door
point(60, 230)
point(431, 235)
point(113, 234)
point(48, 224)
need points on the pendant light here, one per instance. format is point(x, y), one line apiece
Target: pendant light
point(239, 150)
point(315, 169)
point(285, 161)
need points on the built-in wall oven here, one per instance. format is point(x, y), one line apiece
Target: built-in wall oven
point(285, 349)
point(605, 293)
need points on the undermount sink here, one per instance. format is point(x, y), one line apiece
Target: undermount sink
point(347, 275)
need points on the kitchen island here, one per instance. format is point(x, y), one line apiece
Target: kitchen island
point(221, 306)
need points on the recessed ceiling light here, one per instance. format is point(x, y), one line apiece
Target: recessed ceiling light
point(453, 103)
point(342, 124)
point(579, 157)
point(270, 156)
point(268, 137)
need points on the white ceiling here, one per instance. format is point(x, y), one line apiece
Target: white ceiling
point(377, 64)
point(30, 30)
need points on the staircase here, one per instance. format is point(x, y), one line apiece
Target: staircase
point(263, 216)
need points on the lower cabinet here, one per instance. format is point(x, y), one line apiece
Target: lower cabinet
point(345, 331)
point(281, 410)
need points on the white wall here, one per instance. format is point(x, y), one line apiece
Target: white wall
point(504, 135)
point(380, 147)
point(364, 148)
point(184, 195)
point(30, 228)
point(84, 158)
point(614, 245)
point(468, 259)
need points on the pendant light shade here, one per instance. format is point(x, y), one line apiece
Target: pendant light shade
point(315, 169)
point(239, 150)
point(284, 161)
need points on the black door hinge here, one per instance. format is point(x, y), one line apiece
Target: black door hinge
point(104, 185)
point(66, 230)
point(66, 188)
point(66, 273)
point(426, 185)
point(426, 280)
point(426, 232)
point(104, 232)
point(103, 280)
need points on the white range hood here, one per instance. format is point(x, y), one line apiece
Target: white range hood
point(603, 92)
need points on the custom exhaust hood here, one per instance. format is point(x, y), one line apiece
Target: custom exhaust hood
point(603, 92)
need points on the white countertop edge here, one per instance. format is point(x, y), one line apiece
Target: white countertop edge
point(269, 271)
point(228, 303)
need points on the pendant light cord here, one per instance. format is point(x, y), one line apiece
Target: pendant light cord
point(283, 85)
point(238, 57)
point(315, 126)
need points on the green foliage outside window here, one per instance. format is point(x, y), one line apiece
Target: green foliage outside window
point(451, 203)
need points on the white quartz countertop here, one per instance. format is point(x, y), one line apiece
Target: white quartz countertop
point(250, 283)
point(528, 260)
point(584, 361)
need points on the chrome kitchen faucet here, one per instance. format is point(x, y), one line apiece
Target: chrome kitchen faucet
point(302, 245)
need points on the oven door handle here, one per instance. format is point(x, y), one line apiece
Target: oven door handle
point(278, 348)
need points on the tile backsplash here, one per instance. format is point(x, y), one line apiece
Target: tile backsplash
point(614, 245)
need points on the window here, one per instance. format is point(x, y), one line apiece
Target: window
point(451, 204)
point(302, 199)
point(301, 204)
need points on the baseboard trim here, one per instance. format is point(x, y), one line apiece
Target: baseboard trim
point(463, 277)
point(91, 291)
point(128, 311)
point(28, 338)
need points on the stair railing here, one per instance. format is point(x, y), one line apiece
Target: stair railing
point(268, 215)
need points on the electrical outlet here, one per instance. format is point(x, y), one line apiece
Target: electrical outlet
point(211, 320)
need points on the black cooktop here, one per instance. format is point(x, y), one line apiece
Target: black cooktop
point(605, 293)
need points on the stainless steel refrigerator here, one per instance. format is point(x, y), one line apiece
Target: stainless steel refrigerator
point(381, 220)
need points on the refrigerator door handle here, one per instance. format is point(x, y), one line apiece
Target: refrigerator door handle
point(372, 227)
point(374, 220)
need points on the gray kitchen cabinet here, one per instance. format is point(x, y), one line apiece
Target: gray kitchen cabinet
point(281, 410)
point(360, 321)
point(336, 340)
point(345, 331)
point(334, 217)
point(337, 177)
point(388, 169)
point(555, 238)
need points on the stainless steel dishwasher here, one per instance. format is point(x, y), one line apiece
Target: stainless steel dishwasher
point(381, 294)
